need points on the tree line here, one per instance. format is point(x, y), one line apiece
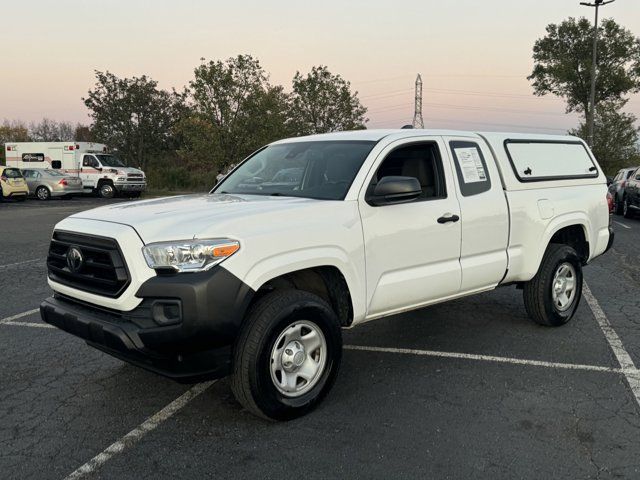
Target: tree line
point(185, 138)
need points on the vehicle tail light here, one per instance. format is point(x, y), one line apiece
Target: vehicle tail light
point(3, 178)
point(63, 182)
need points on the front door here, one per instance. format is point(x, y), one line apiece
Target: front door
point(89, 171)
point(412, 249)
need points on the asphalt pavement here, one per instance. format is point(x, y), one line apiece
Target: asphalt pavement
point(466, 389)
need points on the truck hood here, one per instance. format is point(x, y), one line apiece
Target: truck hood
point(210, 216)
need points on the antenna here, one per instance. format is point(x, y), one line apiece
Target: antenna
point(417, 114)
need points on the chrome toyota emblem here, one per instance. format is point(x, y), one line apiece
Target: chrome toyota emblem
point(75, 260)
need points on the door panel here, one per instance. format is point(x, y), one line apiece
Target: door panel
point(411, 259)
point(485, 214)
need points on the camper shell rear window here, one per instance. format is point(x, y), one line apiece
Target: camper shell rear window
point(540, 160)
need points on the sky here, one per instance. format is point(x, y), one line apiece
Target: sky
point(474, 56)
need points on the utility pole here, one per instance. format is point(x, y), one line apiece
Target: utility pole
point(417, 112)
point(592, 97)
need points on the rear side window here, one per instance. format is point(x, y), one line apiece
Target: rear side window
point(471, 168)
point(538, 160)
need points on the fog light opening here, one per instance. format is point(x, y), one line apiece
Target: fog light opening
point(166, 312)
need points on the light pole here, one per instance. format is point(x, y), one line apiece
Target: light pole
point(592, 97)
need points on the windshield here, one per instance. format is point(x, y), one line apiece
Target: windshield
point(110, 161)
point(12, 173)
point(320, 169)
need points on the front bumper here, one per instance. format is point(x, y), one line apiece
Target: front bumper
point(199, 347)
point(131, 187)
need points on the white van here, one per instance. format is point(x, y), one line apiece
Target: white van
point(101, 172)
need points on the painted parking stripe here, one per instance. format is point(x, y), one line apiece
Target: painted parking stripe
point(135, 435)
point(17, 264)
point(629, 369)
point(622, 225)
point(486, 358)
point(18, 315)
point(29, 324)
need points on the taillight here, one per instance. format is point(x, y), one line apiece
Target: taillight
point(63, 182)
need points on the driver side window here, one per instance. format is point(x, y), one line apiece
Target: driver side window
point(419, 160)
point(89, 161)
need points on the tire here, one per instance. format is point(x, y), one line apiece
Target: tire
point(270, 331)
point(627, 211)
point(43, 193)
point(106, 190)
point(539, 291)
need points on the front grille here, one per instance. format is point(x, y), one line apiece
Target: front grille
point(102, 271)
point(135, 177)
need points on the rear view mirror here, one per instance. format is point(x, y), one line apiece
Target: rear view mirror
point(392, 190)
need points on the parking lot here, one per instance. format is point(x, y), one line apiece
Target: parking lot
point(467, 389)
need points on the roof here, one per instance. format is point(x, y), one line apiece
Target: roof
point(376, 135)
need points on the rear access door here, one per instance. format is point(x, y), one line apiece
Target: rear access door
point(485, 213)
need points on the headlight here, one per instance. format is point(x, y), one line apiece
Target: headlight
point(189, 255)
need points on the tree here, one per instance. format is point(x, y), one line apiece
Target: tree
point(133, 115)
point(562, 63)
point(616, 136)
point(83, 133)
point(322, 102)
point(48, 130)
point(12, 131)
point(234, 111)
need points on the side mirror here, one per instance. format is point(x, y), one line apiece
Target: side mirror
point(393, 190)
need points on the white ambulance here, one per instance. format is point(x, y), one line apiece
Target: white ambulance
point(100, 171)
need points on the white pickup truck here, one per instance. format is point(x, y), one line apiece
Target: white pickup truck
point(312, 234)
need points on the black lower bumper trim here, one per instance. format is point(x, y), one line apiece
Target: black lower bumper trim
point(122, 340)
point(612, 234)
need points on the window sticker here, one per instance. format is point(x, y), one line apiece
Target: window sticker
point(470, 165)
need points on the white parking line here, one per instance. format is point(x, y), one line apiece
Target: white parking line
point(135, 435)
point(21, 263)
point(629, 369)
point(29, 324)
point(486, 358)
point(9, 320)
point(622, 225)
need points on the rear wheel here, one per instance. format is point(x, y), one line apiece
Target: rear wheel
point(106, 190)
point(552, 296)
point(43, 193)
point(287, 355)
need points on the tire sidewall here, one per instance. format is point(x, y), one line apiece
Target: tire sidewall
point(267, 397)
point(565, 255)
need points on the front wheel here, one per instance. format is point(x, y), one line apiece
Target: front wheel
point(552, 296)
point(287, 356)
point(106, 190)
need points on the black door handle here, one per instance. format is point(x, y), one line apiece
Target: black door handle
point(452, 218)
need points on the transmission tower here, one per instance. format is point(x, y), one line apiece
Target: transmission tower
point(417, 115)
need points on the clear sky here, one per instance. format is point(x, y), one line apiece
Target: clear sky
point(473, 55)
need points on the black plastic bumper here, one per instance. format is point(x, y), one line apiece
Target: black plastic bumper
point(199, 347)
point(612, 234)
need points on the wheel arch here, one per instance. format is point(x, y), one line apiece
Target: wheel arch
point(325, 281)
